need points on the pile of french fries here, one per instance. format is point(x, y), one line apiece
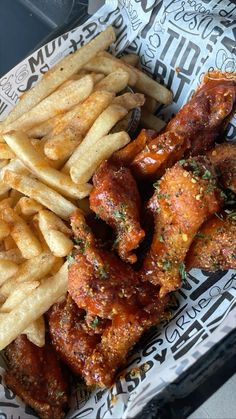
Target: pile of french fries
point(50, 146)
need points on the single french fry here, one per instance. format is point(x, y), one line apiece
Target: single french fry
point(100, 151)
point(33, 306)
point(55, 233)
point(13, 255)
point(30, 270)
point(21, 144)
point(17, 167)
point(7, 269)
point(27, 206)
point(42, 129)
point(115, 82)
point(3, 163)
point(131, 59)
point(6, 152)
point(18, 295)
point(101, 127)
point(148, 120)
point(58, 102)
point(106, 65)
point(150, 104)
point(41, 193)
point(25, 240)
point(129, 100)
point(143, 82)
point(35, 332)
point(59, 73)
point(4, 230)
point(14, 196)
point(71, 128)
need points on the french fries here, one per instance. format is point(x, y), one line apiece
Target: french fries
point(131, 59)
point(5, 152)
point(41, 193)
point(101, 127)
point(7, 270)
point(61, 72)
point(55, 233)
point(35, 332)
point(33, 269)
point(33, 306)
point(27, 207)
point(100, 151)
point(18, 295)
point(22, 147)
point(58, 102)
point(4, 230)
point(129, 100)
point(114, 82)
point(12, 255)
point(151, 121)
point(26, 241)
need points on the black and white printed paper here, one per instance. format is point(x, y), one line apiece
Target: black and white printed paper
point(177, 42)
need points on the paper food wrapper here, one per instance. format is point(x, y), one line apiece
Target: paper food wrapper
point(177, 42)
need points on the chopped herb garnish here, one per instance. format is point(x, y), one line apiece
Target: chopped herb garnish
point(161, 239)
point(223, 195)
point(182, 271)
point(182, 162)
point(94, 322)
point(219, 216)
point(163, 195)
point(59, 393)
point(232, 215)
point(81, 244)
point(200, 235)
point(120, 214)
point(70, 259)
point(103, 272)
point(210, 187)
point(156, 184)
point(167, 265)
point(206, 175)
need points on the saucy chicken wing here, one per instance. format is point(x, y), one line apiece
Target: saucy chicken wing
point(115, 199)
point(192, 131)
point(223, 158)
point(214, 246)
point(112, 291)
point(184, 198)
point(35, 375)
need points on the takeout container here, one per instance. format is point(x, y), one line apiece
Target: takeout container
point(177, 43)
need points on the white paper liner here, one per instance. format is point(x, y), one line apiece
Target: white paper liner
point(177, 42)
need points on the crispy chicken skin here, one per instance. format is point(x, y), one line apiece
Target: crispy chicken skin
point(35, 375)
point(215, 244)
point(184, 198)
point(113, 291)
point(192, 131)
point(223, 158)
point(115, 199)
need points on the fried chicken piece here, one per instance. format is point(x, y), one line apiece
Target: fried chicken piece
point(214, 246)
point(192, 131)
point(115, 199)
point(184, 198)
point(223, 158)
point(73, 338)
point(35, 375)
point(126, 155)
point(114, 293)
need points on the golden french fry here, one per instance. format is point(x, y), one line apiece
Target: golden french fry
point(58, 102)
point(131, 59)
point(57, 265)
point(55, 233)
point(14, 196)
point(103, 124)
point(71, 127)
point(18, 295)
point(33, 306)
point(21, 144)
point(143, 83)
point(9, 243)
point(25, 240)
point(100, 151)
point(6, 152)
point(42, 129)
point(61, 72)
point(31, 270)
point(17, 167)
point(27, 206)
point(41, 193)
point(4, 230)
point(148, 120)
point(13, 255)
point(35, 332)
point(7, 269)
point(3, 163)
point(129, 100)
point(115, 82)
point(150, 104)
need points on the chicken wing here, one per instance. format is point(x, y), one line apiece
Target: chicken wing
point(35, 375)
point(184, 198)
point(223, 157)
point(193, 130)
point(214, 246)
point(115, 199)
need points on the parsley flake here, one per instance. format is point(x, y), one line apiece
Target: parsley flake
point(182, 271)
point(94, 322)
